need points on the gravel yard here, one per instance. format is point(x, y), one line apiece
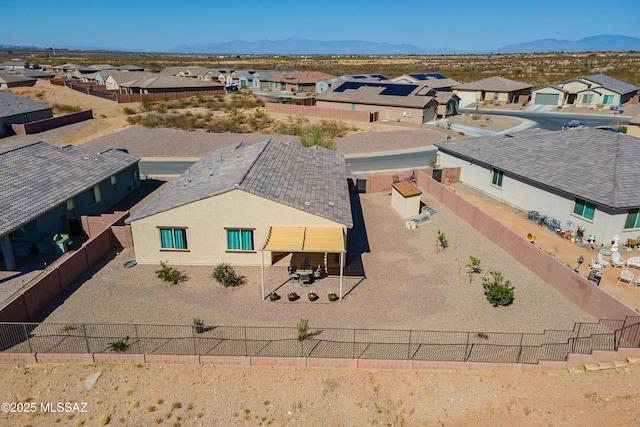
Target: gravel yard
point(407, 286)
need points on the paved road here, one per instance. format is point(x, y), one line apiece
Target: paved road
point(355, 164)
point(555, 121)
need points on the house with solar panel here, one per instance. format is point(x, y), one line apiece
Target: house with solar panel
point(46, 189)
point(495, 90)
point(594, 91)
point(412, 103)
point(249, 205)
point(16, 109)
point(436, 81)
point(529, 170)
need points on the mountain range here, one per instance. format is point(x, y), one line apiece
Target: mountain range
point(598, 43)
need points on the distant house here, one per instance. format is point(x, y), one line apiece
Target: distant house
point(16, 109)
point(236, 203)
point(8, 80)
point(272, 80)
point(129, 68)
point(45, 189)
point(323, 85)
point(412, 103)
point(303, 82)
point(434, 80)
point(586, 92)
point(529, 170)
point(117, 78)
point(497, 90)
point(188, 71)
point(165, 83)
point(14, 65)
point(65, 68)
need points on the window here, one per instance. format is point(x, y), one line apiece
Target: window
point(496, 178)
point(239, 240)
point(496, 95)
point(114, 183)
point(584, 209)
point(608, 100)
point(71, 209)
point(586, 99)
point(173, 238)
point(94, 193)
point(633, 219)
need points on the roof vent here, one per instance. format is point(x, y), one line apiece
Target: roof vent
point(306, 203)
point(331, 204)
point(236, 185)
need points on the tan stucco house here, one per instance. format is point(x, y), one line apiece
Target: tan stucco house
point(247, 205)
point(594, 91)
point(634, 126)
point(496, 90)
point(412, 103)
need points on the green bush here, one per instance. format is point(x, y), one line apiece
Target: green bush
point(303, 329)
point(198, 325)
point(128, 111)
point(442, 240)
point(169, 274)
point(226, 275)
point(120, 346)
point(497, 292)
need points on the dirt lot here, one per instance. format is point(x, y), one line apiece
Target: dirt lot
point(128, 395)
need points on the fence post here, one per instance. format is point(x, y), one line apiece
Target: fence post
point(246, 351)
point(353, 345)
point(24, 327)
point(409, 346)
point(193, 335)
point(86, 338)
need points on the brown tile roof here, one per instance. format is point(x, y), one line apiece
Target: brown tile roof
point(406, 189)
point(306, 77)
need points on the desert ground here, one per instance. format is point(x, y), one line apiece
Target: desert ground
point(212, 395)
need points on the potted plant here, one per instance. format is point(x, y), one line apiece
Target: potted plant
point(274, 296)
point(333, 296)
point(292, 296)
point(313, 296)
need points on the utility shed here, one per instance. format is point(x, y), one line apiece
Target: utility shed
point(405, 198)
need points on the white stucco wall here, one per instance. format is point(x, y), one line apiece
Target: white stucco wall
point(206, 221)
point(605, 224)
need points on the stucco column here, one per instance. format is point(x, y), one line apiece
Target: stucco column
point(7, 253)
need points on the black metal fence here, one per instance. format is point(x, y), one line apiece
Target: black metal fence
point(527, 348)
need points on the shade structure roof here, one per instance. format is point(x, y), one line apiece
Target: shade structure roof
point(305, 239)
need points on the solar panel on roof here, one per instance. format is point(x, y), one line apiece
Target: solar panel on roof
point(397, 90)
point(392, 89)
point(419, 76)
point(436, 76)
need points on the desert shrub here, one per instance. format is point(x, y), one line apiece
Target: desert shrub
point(129, 110)
point(315, 137)
point(198, 325)
point(303, 329)
point(226, 275)
point(120, 346)
point(64, 108)
point(497, 291)
point(442, 240)
point(169, 274)
point(474, 264)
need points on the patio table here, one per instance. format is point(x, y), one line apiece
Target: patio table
point(605, 252)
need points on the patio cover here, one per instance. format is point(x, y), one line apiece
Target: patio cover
point(305, 239)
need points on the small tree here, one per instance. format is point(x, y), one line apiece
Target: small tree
point(169, 274)
point(497, 292)
point(442, 240)
point(226, 275)
point(303, 329)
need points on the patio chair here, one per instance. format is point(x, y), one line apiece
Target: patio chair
point(292, 274)
point(602, 261)
point(317, 272)
point(626, 276)
point(617, 260)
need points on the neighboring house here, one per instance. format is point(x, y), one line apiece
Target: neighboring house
point(102, 67)
point(304, 81)
point(530, 170)
point(188, 71)
point(594, 91)
point(272, 80)
point(434, 80)
point(130, 68)
point(412, 103)
point(8, 80)
point(323, 85)
point(45, 189)
point(634, 126)
point(65, 68)
point(37, 74)
point(166, 83)
point(14, 65)
point(497, 90)
point(18, 109)
point(117, 78)
point(230, 205)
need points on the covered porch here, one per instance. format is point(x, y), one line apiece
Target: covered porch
point(311, 247)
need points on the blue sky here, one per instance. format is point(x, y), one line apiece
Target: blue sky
point(162, 25)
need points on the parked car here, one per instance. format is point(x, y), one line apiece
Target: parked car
point(232, 87)
point(573, 124)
